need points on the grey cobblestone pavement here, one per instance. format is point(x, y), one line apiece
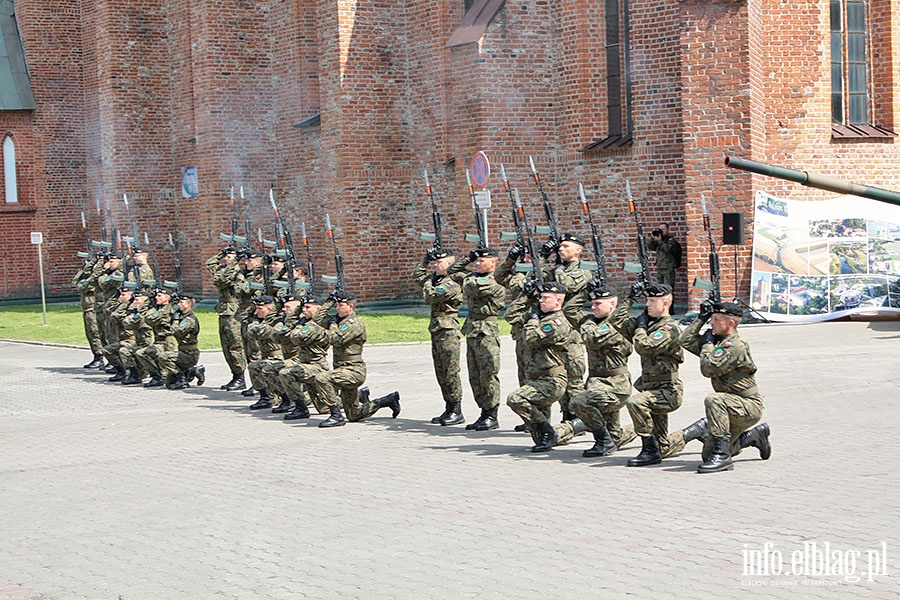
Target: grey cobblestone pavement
point(121, 493)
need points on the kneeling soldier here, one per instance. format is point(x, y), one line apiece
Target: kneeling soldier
point(547, 331)
point(179, 367)
point(736, 405)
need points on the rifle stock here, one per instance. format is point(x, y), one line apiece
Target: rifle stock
point(713, 285)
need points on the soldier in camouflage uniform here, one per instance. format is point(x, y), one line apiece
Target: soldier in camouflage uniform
point(668, 255)
point(84, 282)
point(115, 332)
point(484, 296)
point(655, 337)
point(223, 267)
point(546, 332)
point(108, 278)
point(299, 373)
point(262, 329)
point(736, 405)
point(179, 366)
point(159, 318)
point(444, 296)
point(609, 382)
point(139, 334)
point(248, 283)
point(139, 272)
point(346, 333)
point(517, 311)
point(567, 271)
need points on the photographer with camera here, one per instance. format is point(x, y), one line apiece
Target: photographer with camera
point(668, 255)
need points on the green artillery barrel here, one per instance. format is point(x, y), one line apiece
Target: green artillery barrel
point(815, 181)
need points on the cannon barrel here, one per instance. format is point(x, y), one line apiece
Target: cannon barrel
point(815, 181)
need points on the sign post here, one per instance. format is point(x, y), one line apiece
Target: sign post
point(480, 168)
point(37, 238)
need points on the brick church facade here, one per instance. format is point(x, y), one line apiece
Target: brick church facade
point(340, 104)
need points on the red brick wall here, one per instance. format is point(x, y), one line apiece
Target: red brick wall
point(130, 92)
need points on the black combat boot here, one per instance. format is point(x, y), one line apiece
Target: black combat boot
point(478, 422)
point(236, 383)
point(283, 407)
point(490, 420)
point(179, 383)
point(448, 408)
point(110, 369)
point(758, 437)
point(134, 377)
point(721, 457)
point(391, 401)
point(548, 438)
point(97, 363)
point(301, 411)
point(698, 430)
point(362, 394)
point(455, 416)
point(603, 444)
point(649, 453)
point(200, 372)
point(155, 380)
point(119, 374)
point(522, 428)
point(250, 392)
point(578, 426)
point(265, 401)
point(336, 418)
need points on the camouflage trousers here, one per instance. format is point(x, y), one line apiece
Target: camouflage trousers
point(128, 355)
point(92, 331)
point(252, 350)
point(575, 369)
point(727, 415)
point(232, 343)
point(522, 353)
point(172, 362)
point(264, 376)
point(650, 413)
point(100, 320)
point(533, 400)
point(298, 381)
point(445, 356)
point(111, 353)
point(148, 356)
point(483, 361)
point(342, 384)
point(599, 406)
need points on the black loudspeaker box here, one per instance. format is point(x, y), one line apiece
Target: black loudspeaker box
point(733, 229)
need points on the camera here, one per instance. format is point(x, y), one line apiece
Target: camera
point(656, 232)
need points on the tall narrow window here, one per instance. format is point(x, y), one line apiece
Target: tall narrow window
point(849, 62)
point(9, 170)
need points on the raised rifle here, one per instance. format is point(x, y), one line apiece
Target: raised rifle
point(234, 239)
point(600, 278)
point(87, 234)
point(178, 284)
point(552, 230)
point(338, 281)
point(713, 284)
point(641, 269)
point(520, 233)
point(131, 242)
point(285, 249)
point(103, 245)
point(310, 268)
point(537, 273)
point(157, 278)
point(480, 218)
point(435, 238)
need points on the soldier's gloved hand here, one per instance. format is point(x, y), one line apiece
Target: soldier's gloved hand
point(529, 287)
point(516, 252)
point(431, 255)
point(534, 314)
point(643, 320)
point(706, 310)
point(473, 255)
point(334, 296)
point(637, 290)
point(707, 338)
point(548, 248)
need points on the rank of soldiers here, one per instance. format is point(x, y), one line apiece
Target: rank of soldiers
point(573, 336)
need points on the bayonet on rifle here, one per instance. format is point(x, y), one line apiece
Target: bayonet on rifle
point(713, 284)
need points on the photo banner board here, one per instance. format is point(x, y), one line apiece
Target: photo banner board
point(821, 260)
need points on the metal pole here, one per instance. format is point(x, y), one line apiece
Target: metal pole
point(41, 269)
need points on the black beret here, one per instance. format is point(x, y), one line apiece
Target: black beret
point(439, 253)
point(553, 287)
point(263, 300)
point(655, 290)
point(184, 296)
point(603, 292)
point(728, 308)
point(571, 237)
point(479, 252)
point(343, 296)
